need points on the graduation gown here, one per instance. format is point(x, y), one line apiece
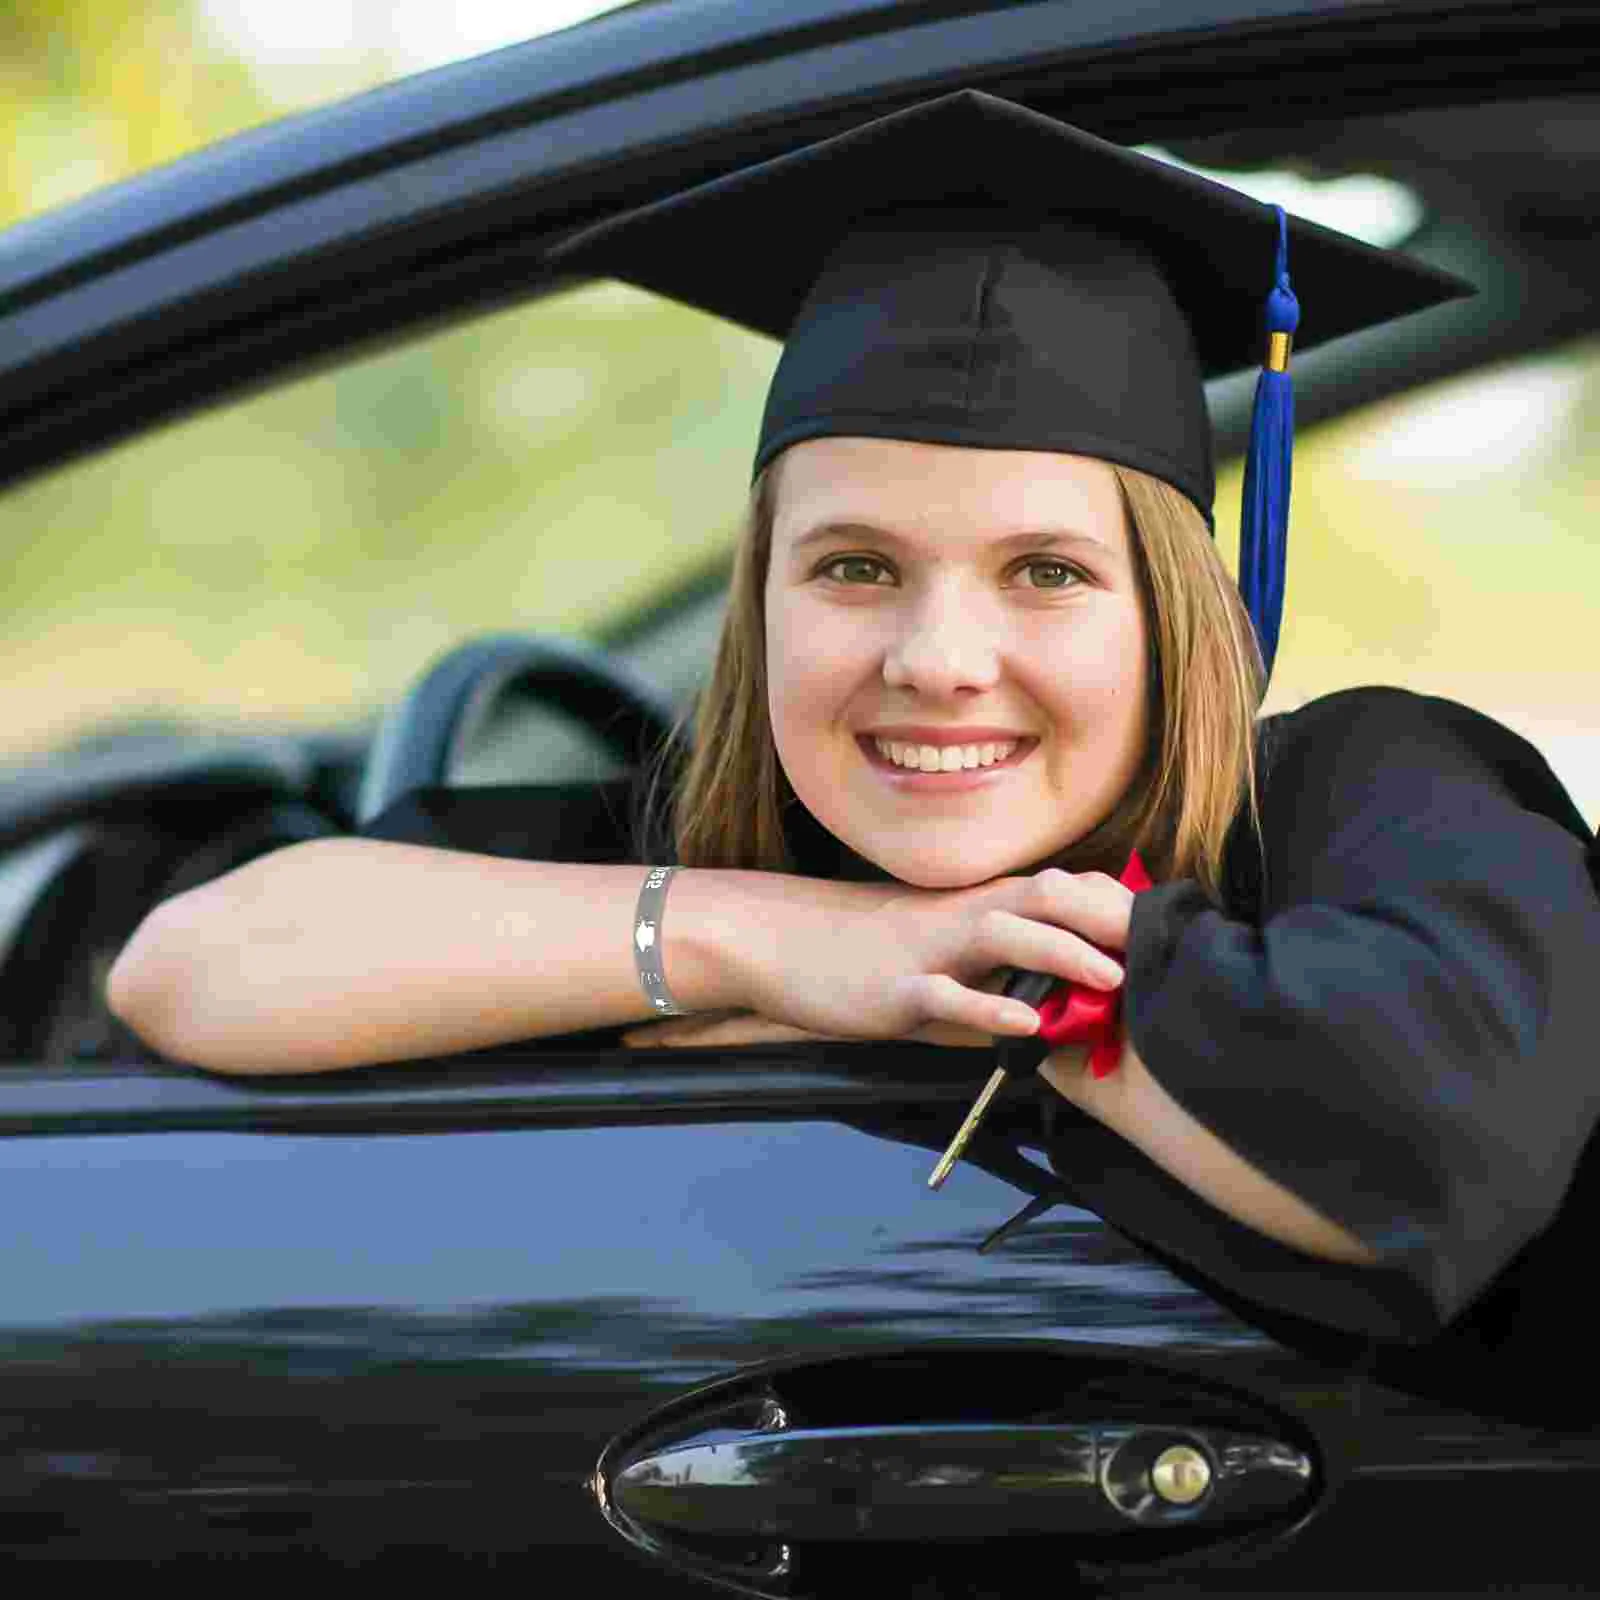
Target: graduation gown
point(1394, 1016)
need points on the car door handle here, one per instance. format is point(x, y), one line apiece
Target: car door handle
point(949, 1481)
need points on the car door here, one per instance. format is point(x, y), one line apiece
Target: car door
point(400, 1316)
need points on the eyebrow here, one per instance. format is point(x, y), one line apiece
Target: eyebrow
point(865, 530)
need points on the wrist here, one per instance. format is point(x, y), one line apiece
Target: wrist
point(738, 931)
point(1066, 1070)
point(715, 925)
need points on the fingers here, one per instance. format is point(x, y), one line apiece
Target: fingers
point(1030, 934)
point(951, 1035)
point(1035, 946)
point(1092, 904)
point(958, 1015)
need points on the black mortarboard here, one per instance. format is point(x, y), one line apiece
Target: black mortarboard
point(972, 272)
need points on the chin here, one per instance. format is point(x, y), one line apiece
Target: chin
point(922, 873)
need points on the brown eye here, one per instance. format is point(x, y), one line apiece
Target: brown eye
point(1065, 567)
point(839, 561)
point(1061, 566)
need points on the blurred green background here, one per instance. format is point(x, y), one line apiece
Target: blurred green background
point(296, 559)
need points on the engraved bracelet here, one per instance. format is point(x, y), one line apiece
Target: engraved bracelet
point(647, 942)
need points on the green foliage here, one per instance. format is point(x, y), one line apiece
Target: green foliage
point(93, 90)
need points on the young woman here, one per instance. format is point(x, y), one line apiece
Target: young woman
point(1357, 998)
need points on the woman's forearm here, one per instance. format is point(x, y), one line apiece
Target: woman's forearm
point(343, 952)
point(1133, 1104)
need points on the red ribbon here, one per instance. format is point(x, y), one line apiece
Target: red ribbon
point(1073, 1015)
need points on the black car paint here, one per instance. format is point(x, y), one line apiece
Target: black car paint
point(385, 1344)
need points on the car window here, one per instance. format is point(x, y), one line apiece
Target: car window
point(1444, 541)
point(296, 559)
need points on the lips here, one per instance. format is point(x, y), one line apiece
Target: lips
point(1023, 750)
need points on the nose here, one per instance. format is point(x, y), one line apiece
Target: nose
point(943, 646)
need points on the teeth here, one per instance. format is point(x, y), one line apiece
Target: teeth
point(947, 758)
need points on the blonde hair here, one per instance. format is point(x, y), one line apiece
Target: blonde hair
point(1204, 687)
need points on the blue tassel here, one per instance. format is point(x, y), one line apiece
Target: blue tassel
point(1264, 523)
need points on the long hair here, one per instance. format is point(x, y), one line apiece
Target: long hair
point(1204, 686)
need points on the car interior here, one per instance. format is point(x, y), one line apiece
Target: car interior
point(98, 828)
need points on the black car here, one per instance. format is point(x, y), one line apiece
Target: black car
point(639, 1322)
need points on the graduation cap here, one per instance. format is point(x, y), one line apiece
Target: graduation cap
point(970, 272)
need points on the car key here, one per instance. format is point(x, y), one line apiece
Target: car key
point(1030, 988)
point(1095, 1020)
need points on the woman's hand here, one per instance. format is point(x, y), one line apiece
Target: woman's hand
point(907, 963)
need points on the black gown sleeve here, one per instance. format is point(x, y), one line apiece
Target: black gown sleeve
point(1403, 1035)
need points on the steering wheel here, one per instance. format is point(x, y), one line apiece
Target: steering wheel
point(422, 737)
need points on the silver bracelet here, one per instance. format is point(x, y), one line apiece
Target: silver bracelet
point(647, 942)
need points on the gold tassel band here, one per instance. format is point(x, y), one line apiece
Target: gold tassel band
point(1278, 351)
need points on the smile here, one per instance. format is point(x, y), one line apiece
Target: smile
point(961, 778)
point(945, 758)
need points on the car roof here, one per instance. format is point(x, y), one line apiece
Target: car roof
point(440, 195)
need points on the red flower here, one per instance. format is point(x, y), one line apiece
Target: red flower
point(1073, 1015)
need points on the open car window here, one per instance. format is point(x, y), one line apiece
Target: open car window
point(1443, 542)
point(294, 560)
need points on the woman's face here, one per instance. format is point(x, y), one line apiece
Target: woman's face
point(945, 590)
